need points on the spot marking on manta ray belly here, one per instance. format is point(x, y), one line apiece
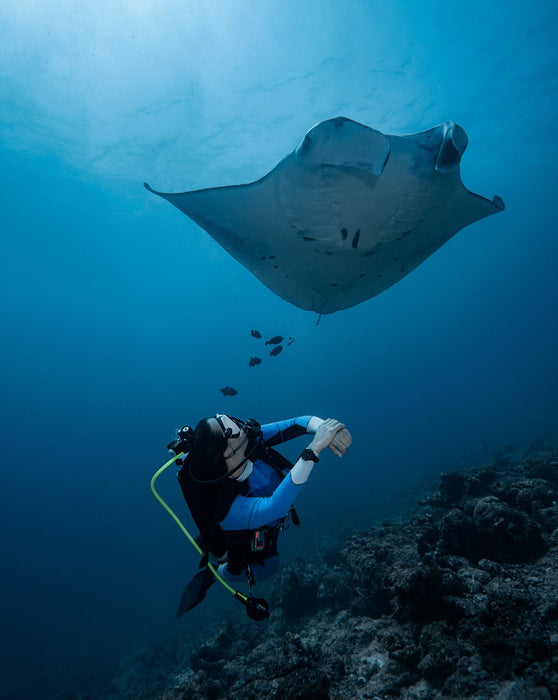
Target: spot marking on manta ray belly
point(356, 239)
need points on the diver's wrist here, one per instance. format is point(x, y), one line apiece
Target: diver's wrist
point(315, 449)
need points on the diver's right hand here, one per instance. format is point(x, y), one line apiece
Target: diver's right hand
point(325, 434)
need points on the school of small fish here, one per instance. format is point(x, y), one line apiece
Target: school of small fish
point(276, 341)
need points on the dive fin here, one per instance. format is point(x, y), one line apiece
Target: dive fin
point(195, 591)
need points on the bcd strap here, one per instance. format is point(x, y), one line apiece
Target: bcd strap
point(294, 516)
point(280, 464)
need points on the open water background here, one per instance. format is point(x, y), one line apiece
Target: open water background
point(120, 319)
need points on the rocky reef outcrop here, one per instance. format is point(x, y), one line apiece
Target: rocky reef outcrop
point(458, 601)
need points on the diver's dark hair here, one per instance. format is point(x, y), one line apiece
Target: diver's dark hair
point(208, 446)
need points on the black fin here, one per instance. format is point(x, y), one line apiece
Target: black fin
point(195, 591)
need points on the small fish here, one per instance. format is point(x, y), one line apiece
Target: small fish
point(291, 341)
point(254, 361)
point(255, 334)
point(229, 391)
point(276, 350)
point(275, 340)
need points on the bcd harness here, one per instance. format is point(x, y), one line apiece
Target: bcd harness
point(209, 504)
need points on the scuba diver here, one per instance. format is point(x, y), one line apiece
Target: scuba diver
point(240, 492)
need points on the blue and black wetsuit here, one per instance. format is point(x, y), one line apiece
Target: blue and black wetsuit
point(257, 504)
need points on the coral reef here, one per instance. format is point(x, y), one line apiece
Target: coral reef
point(458, 601)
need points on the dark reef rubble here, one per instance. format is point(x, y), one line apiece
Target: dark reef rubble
point(458, 601)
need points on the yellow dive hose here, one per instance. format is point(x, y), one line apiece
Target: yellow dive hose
point(237, 594)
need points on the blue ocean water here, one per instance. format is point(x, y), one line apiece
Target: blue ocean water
point(120, 319)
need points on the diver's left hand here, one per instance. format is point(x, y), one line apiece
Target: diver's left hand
point(341, 442)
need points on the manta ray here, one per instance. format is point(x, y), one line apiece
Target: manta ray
point(346, 215)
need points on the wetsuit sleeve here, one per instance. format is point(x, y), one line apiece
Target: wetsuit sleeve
point(274, 433)
point(248, 513)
